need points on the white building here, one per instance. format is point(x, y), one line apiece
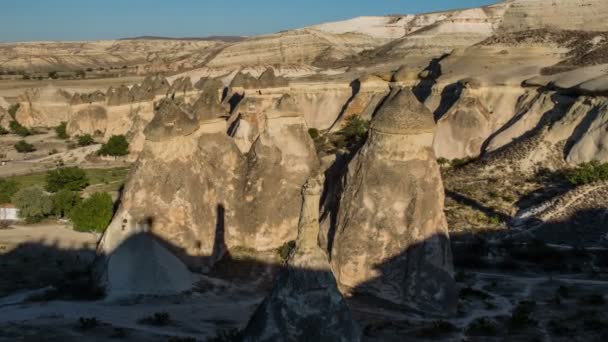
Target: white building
point(8, 212)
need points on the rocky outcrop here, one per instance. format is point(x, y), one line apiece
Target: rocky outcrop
point(172, 119)
point(96, 96)
point(593, 144)
point(462, 131)
point(118, 96)
point(43, 107)
point(391, 238)
point(305, 304)
point(279, 163)
point(369, 92)
point(181, 86)
point(90, 120)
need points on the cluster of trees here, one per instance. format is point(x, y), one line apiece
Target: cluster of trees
point(117, 146)
point(61, 198)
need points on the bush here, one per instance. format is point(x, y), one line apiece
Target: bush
point(67, 178)
point(314, 133)
point(85, 140)
point(8, 188)
point(18, 129)
point(285, 251)
point(3, 131)
point(61, 131)
point(93, 214)
point(588, 173)
point(64, 201)
point(521, 316)
point(33, 204)
point(88, 323)
point(116, 146)
point(355, 131)
point(23, 147)
point(158, 319)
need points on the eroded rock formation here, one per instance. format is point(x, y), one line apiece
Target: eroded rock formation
point(305, 304)
point(391, 238)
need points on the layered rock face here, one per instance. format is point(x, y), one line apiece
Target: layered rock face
point(391, 237)
point(43, 107)
point(462, 131)
point(279, 163)
point(587, 15)
point(370, 91)
point(305, 304)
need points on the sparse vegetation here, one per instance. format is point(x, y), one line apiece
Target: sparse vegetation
point(61, 131)
point(588, 173)
point(482, 327)
point(159, 319)
point(33, 204)
point(67, 178)
point(24, 147)
point(12, 110)
point(438, 328)
point(520, 318)
point(232, 335)
point(93, 214)
point(117, 146)
point(88, 323)
point(3, 131)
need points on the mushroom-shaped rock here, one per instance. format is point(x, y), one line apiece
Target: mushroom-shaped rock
point(280, 162)
point(268, 79)
point(391, 239)
point(305, 304)
point(172, 118)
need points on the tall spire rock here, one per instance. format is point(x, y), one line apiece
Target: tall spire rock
point(305, 304)
point(391, 237)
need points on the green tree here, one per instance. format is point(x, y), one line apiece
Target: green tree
point(93, 214)
point(66, 178)
point(61, 131)
point(64, 201)
point(85, 140)
point(117, 146)
point(18, 129)
point(23, 147)
point(8, 188)
point(33, 204)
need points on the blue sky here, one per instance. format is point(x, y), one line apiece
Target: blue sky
point(95, 19)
